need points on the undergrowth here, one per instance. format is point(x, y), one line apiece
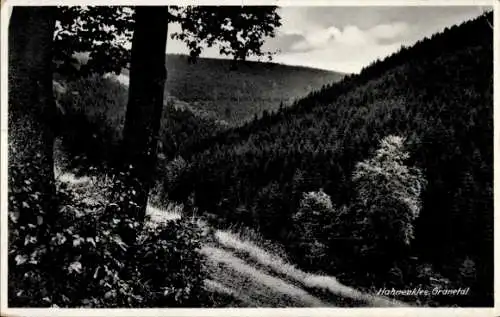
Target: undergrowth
point(81, 261)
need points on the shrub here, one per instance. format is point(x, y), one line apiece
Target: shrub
point(85, 263)
point(169, 177)
point(322, 236)
point(171, 267)
point(311, 223)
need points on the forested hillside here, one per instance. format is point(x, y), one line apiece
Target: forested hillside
point(237, 95)
point(437, 94)
point(93, 114)
point(202, 99)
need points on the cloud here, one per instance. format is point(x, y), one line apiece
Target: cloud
point(339, 57)
point(350, 35)
point(390, 31)
point(295, 21)
point(283, 43)
point(350, 38)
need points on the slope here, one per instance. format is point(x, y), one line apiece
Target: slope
point(439, 94)
point(202, 99)
point(238, 95)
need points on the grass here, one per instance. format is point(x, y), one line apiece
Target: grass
point(160, 215)
point(321, 282)
point(248, 275)
point(224, 296)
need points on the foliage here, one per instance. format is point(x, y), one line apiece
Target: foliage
point(171, 173)
point(86, 264)
point(388, 198)
point(172, 268)
point(96, 39)
point(311, 225)
point(85, 122)
point(377, 226)
point(269, 211)
point(240, 31)
point(98, 34)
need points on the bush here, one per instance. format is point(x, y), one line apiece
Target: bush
point(169, 177)
point(311, 224)
point(85, 263)
point(171, 267)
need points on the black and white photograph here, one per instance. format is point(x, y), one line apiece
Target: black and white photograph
point(247, 156)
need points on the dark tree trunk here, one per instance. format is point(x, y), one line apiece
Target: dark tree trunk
point(144, 109)
point(31, 113)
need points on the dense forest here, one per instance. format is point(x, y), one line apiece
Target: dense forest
point(437, 94)
point(93, 114)
point(202, 99)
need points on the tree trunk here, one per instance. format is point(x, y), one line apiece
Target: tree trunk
point(30, 116)
point(144, 109)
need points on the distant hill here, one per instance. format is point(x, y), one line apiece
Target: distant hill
point(238, 95)
point(203, 98)
point(438, 94)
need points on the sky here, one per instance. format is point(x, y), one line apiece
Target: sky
point(346, 39)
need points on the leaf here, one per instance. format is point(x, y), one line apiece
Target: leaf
point(108, 294)
point(25, 204)
point(75, 267)
point(30, 239)
point(39, 220)
point(59, 239)
point(79, 213)
point(91, 241)
point(120, 242)
point(77, 242)
point(14, 216)
point(20, 259)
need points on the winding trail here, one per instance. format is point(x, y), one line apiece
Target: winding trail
point(258, 278)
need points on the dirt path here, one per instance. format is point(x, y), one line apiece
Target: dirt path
point(241, 269)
